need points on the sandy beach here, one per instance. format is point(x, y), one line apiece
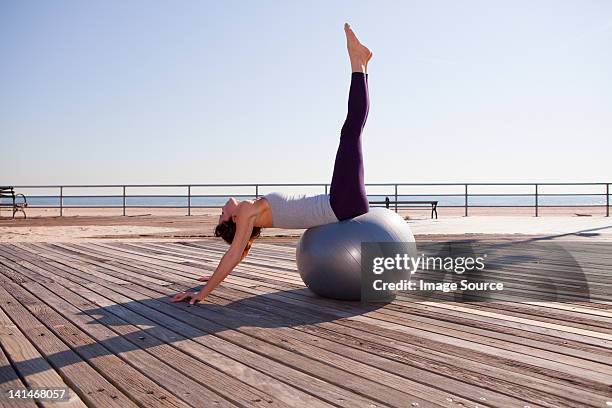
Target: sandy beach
point(171, 224)
point(412, 213)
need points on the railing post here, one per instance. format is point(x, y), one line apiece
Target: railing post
point(466, 200)
point(124, 201)
point(256, 191)
point(536, 200)
point(188, 200)
point(607, 200)
point(326, 189)
point(396, 198)
point(61, 201)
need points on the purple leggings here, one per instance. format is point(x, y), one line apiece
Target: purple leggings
point(347, 193)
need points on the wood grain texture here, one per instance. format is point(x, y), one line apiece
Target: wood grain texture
point(262, 339)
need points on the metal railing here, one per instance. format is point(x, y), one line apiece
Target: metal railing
point(464, 193)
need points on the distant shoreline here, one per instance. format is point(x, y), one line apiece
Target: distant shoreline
point(411, 213)
point(443, 200)
point(164, 224)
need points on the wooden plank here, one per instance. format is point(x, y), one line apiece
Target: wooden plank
point(129, 343)
point(383, 376)
point(211, 253)
point(380, 385)
point(82, 378)
point(444, 313)
point(237, 391)
point(564, 334)
point(397, 331)
point(150, 257)
point(367, 364)
point(132, 382)
point(518, 319)
point(13, 340)
point(94, 263)
point(164, 270)
point(208, 354)
point(191, 319)
point(484, 337)
point(305, 305)
point(465, 323)
point(283, 273)
point(172, 325)
point(396, 335)
point(12, 271)
point(417, 356)
point(572, 317)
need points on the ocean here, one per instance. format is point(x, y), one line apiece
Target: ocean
point(217, 201)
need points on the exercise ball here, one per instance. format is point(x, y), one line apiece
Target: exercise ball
point(329, 256)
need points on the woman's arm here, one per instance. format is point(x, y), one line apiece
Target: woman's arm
point(206, 278)
point(236, 253)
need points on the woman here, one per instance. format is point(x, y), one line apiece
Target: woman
point(241, 222)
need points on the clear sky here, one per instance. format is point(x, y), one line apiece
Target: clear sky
point(255, 91)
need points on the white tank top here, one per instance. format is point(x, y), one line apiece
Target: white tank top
point(300, 211)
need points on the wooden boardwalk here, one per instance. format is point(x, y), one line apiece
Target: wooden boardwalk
point(96, 318)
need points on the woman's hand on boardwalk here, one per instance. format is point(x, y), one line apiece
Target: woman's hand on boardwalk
point(191, 297)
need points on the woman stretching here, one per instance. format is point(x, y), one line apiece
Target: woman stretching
point(241, 222)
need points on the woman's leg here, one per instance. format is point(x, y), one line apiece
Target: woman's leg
point(348, 197)
point(347, 193)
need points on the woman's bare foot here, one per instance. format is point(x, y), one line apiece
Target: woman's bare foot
point(359, 54)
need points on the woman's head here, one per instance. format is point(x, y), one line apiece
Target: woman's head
point(227, 231)
point(226, 228)
point(228, 210)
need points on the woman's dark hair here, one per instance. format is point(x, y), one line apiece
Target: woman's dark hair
point(227, 230)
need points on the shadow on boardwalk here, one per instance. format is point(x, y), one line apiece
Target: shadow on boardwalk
point(153, 323)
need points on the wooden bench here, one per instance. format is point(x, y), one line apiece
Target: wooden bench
point(9, 192)
point(388, 202)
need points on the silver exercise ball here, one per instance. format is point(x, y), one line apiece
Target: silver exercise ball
point(329, 256)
